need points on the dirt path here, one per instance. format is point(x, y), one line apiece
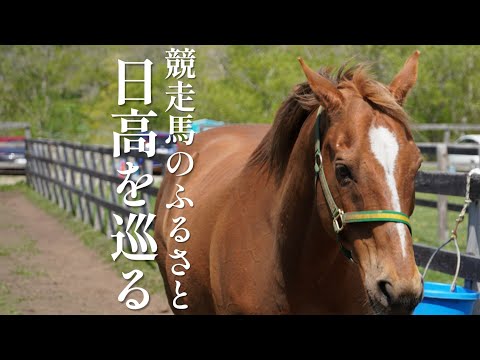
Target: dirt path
point(46, 269)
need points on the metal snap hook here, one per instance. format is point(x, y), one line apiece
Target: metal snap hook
point(338, 226)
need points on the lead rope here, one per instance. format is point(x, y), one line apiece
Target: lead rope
point(453, 236)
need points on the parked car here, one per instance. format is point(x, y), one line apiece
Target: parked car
point(12, 153)
point(465, 162)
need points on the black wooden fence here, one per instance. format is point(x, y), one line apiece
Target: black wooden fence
point(453, 184)
point(436, 150)
point(82, 179)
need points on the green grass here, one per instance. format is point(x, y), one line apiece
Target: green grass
point(424, 224)
point(25, 271)
point(12, 226)
point(429, 166)
point(99, 242)
point(5, 250)
point(6, 303)
point(26, 247)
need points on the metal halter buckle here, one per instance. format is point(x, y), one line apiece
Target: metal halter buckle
point(336, 225)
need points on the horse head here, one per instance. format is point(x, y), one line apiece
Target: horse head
point(369, 161)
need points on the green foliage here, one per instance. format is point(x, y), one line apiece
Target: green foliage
point(70, 92)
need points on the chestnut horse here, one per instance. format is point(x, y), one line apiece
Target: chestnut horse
point(262, 239)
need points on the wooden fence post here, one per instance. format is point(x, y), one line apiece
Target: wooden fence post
point(55, 165)
point(473, 242)
point(109, 230)
point(148, 167)
point(91, 189)
point(36, 168)
point(442, 200)
point(446, 137)
point(31, 180)
point(52, 196)
point(31, 166)
point(111, 168)
point(79, 211)
point(28, 132)
point(68, 197)
point(51, 175)
point(100, 210)
point(88, 218)
point(28, 165)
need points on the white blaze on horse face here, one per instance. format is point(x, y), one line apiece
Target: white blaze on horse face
point(384, 146)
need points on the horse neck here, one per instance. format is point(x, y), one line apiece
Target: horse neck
point(306, 248)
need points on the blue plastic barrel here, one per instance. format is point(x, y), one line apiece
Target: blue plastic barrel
point(439, 300)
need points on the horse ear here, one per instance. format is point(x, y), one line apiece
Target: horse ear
point(405, 79)
point(327, 92)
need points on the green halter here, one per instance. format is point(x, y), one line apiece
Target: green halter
point(341, 218)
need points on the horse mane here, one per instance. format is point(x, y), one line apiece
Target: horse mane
point(274, 150)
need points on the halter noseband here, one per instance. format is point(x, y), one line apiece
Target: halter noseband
point(341, 218)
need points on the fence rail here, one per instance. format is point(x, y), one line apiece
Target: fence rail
point(437, 182)
point(428, 148)
point(445, 261)
point(442, 152)
point(446, 127)
point(82, 179)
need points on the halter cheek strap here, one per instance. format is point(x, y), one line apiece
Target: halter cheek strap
point(341, 218)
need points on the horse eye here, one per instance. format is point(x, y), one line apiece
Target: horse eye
point(343, 174)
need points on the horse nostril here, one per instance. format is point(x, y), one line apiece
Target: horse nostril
point(385, 288)
point(400, 297)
